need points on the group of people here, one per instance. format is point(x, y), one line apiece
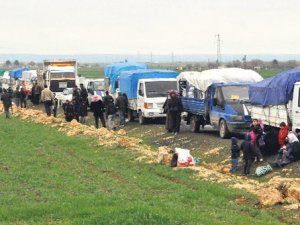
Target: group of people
point(262, 140)
point(102, 108)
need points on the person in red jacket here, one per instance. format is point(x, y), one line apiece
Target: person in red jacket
point(283, 132)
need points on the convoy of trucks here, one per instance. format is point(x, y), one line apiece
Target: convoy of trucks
point(147, 90)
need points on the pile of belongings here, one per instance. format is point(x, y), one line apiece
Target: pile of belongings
point(263, 170)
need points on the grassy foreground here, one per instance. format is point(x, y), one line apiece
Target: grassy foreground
point(49, 178)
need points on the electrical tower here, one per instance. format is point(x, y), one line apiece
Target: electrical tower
point(219, 60)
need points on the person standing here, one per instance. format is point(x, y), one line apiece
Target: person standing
point(235, 154)
point(122, 104)
point(47, 97)
point(83, 93)
point(18, 97)
point(97, 107)
point(111, 112)
point(6, 100)
point(83, 112)
point(106, 100)
point(248, 157)
point(23, 98)
point(36, 93)
point(173, 107)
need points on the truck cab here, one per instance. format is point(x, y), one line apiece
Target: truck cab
point(151, 96)
point(227, 107)
point(95, 87)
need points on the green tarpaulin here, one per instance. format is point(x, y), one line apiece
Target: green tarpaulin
point(1, 72)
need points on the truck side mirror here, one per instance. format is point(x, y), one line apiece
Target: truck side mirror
point(141, 92)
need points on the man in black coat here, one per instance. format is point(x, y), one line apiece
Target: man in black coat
point(122, 104)
point(7, 103)
point(83, 93)
point(97, 107)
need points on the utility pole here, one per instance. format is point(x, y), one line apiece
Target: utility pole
point(219, 60)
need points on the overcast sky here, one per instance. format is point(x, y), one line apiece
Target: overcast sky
point(158, 26)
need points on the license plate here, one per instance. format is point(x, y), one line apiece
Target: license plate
point(63, 85)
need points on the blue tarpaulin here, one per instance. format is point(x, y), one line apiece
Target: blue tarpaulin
point(113, 71)
point(17, 73)
point(129, 79)
point(276, 90)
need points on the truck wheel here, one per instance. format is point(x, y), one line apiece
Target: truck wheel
point(142, 119)
point(224, 133)
point(130, 116)
point(194, 124)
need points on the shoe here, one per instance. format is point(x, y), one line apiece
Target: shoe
point(261, 160)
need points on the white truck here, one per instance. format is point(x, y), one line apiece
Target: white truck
point(60, 74)
point(147, 91)
point(277, 100)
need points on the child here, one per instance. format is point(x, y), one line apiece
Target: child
point(235, 154)
point(247, 154)
point(254, 134)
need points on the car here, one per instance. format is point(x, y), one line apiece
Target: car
point(67, 94)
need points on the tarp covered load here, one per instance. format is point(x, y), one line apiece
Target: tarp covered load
point(29, 75)
point(202, 80)
point(129, 79)
point(2, 72)
point(113, 71)
point(276, 90)
point(17, 73)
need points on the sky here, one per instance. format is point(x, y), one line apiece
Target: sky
point(145, 26)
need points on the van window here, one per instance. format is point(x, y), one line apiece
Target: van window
point(141, 89)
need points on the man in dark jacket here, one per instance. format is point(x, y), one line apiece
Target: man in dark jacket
point(6, 100)
point(235, 154)
point(122, 104)
point(83, 93)
point(76, 94)
point(248, 157)
point(23, 98)
point(97, 108)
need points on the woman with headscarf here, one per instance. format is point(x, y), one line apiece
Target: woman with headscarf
point(173, 108)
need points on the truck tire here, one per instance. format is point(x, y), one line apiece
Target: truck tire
point(194, 124)
point(130, 116)
point(223, 129)
point(142, 119)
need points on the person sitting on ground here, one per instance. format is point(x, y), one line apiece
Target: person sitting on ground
point(97, 107)
point(291, 152)
point(6, 100)
point(248, 157)
point(68, 111)
point(235, 154)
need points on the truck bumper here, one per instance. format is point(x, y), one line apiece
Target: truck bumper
point(238, 127)
point(153, 113)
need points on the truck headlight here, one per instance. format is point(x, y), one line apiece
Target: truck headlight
point(237, 118)
point(148, 105)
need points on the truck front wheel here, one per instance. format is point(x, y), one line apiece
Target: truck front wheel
point(194, 124)
point(142, 119)
point(224, 133)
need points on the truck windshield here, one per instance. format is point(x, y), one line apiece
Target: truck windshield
point(159, 88)
point(232, 93)
point(99, 85)
point(63, 75)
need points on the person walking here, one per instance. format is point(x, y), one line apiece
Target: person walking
point(173, 108)
point(47, 98)
point(122, 104)
point(97, 107)
point(7, 103)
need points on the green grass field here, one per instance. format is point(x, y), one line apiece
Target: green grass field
point(270, 73)
point(49, 178)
